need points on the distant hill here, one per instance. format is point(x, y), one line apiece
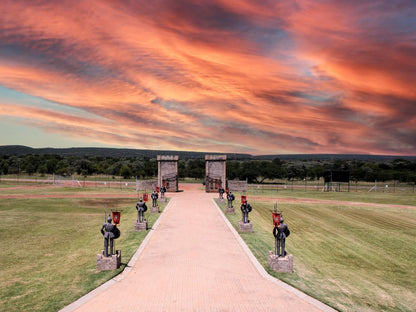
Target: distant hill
point(363, 157)
point(124, 152)
point(108, 152)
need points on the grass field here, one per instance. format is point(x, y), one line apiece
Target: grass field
point(351, 257)
point(408, 198)
point(50, 246)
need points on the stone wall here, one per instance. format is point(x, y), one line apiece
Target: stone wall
point(146, 185)
point(237, 185)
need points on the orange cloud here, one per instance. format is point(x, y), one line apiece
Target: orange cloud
point(264, 78)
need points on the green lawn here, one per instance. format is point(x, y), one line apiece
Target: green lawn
point(353, 258)
point(408, 198)
point(50, 247)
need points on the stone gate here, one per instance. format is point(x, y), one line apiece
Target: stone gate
point(167, 176)
point(215, 172)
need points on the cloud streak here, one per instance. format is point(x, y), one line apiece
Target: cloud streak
point(270, 77)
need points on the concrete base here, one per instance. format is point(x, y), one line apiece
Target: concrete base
point(154, 209)
point(221, 200)
point(245, 227)
point(140, 226)
point(281, 264)
point(230, 210)
point(108, 263)
point(162, 199)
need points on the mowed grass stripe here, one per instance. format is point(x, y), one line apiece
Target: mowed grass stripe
point(50, 248)
point(354, 258)
point(385, 198)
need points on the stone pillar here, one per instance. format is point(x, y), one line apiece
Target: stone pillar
point(215, 172)
point(162, 199)
point(281, 264)
point(230, 210)
point(167, 166)
point(140, 226)
point(245, 227)
point(108, 263)
point(154, 209)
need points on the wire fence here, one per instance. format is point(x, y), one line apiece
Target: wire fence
point(281, 186)
point(310, 186)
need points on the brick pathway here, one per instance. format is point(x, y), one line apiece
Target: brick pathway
point(194, 262)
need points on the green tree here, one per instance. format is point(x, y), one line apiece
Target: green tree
point(195, 168)
point(233, 169)
point(150, 168)
point(126, 171)
point(30, 164)
point(84, 167)
point(115, 168)
point(138, 168)
point(4, 167)
point(249, 171)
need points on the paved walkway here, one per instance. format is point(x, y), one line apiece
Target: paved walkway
point(193, 261)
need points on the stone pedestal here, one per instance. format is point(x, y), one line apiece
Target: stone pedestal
point(245, 227)
point(108, 263)
point(230, 210)
point(140, 226)
point(281, 264)
point(154, 209)
point(221, 200)
point(162, 199)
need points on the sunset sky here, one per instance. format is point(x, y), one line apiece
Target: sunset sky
point(251, 76)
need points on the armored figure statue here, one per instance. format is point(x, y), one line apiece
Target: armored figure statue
point(221, 192)
point(154, 196)
point(245, 209)
point(141, 208)
point(162, 192)
point(230, 198)
point(110, 232)
point(280, 232)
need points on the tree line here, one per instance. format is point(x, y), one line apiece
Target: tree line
point(255, 171)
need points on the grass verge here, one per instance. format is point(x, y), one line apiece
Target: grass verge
point(50, 247)
point(353, 258)
point(365, 197)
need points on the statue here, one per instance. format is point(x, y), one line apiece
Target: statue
point(230, 198)
point(162, 192)
point(141, 209)
point(245, 209)
point(221, 191)
point(110, 232)
point(154, 196)
point(280, 232)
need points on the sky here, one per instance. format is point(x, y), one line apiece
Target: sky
point(251, 76)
